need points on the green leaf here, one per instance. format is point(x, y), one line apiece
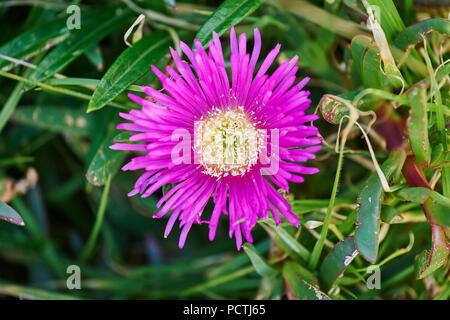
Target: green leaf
point(216, 281)
point(28, 293)
point(228, 14)
point(430, 260)
point(94, 55)
point(290, 241)
point(390, 20)
point(388, 214)
point(130, 66)
point(240, 260)
point(414, 194)
point(309, 205)
point(337, 261)
point(9, 214)
point(301, 289)
point(359, 46)
point(32, 40)
point(439, 198)
point(261, 266)
point(371, 72)
point(332, 109)
point(409, 37)
point(10, 105)
point(438, 207)
point(57, 119)
point(14, 98)
point(77, 43)
point(418, 125)
point(355, 8)
point(369, 205)
point(304, 273)
point(106, 162)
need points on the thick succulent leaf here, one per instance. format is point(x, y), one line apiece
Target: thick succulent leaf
point(439, 209)
point(371, 72)
point(409, 37)
point(9, 214)
point(337, 261)
point(300, 288)
point(332, 109)
point(430, 260)
point(418, 125)
point(369, 205)
point(414, 194)
point(228, 14)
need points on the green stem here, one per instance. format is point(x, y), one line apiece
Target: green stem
point(83, 82)
point(326, 222)
point(88, 249)
point(50, 88)
point(15, 161)
point(218, 281)
point(440, 122)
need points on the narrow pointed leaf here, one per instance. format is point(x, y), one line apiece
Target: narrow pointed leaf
point(337, 261)
point(261, 266)
point(291, 242)
point(309, 205)
point(32, 40)
point(9, 214)
point(78, 42)
point(228, 14)
point(130, 66)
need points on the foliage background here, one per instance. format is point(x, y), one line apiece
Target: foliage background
point(57, 172)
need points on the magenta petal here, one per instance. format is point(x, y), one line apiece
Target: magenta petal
point(201, 89)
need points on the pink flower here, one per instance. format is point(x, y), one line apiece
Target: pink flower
point(232, 126)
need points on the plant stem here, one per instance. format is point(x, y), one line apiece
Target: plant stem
point(50, 88)
point(440, 121)
point(218, 281)
point(326, 222)
point(88, 249)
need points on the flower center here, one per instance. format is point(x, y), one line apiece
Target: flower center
point(227, 142)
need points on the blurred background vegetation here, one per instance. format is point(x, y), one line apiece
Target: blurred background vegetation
point(378, 66)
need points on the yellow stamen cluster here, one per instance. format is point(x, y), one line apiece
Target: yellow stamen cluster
point(227, 142)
